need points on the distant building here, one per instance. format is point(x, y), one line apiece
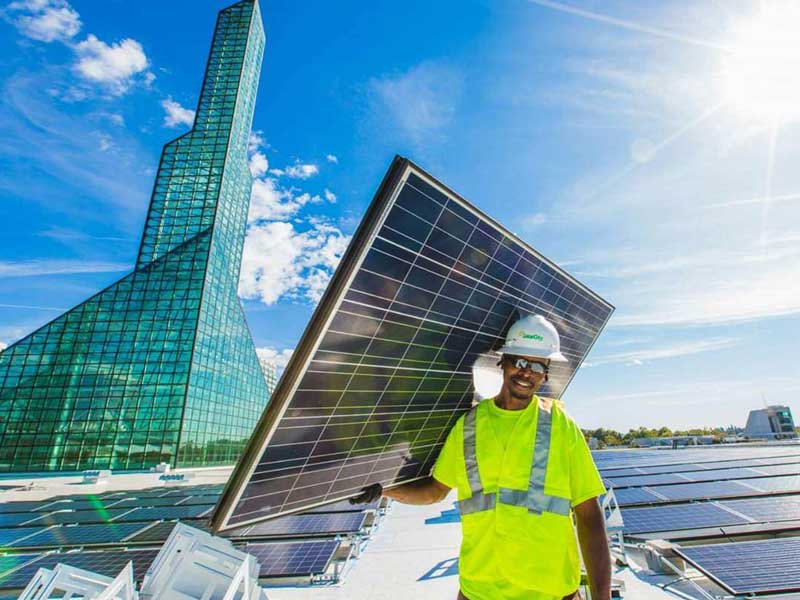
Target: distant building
point(770, 423)
point(270, 370)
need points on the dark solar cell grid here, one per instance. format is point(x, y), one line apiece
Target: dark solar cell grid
point(620, 472)
point(10, 562)
point(26, 506)
point(293, 559)
point(91, 504)
point(83, 517)
point(105, 563)
point(166, 512)
point(793, 469)
point(644, 480)
point(628, 496)
point(765, 510)
point(155, 502)
point(79, 535)
point(313, 524)
point(9, 536)
point(789, 483)
point(192, 500)
point(14, 519)
point(390, 371)
point(343, 506)
point(750, 567)
point(699, 491)
point(675, 517)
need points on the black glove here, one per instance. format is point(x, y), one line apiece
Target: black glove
point(368, 494)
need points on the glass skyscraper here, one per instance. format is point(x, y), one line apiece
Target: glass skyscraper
point(159, 366)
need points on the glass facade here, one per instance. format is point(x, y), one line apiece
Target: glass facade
point(159, 366)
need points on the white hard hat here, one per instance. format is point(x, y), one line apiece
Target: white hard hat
point(533, 336)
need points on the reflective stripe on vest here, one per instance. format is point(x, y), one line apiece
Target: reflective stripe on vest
point(534, 498)
point(478, 501)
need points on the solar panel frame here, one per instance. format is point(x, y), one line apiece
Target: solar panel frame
point(677, 517)
point(314, 524)
point(353, 473)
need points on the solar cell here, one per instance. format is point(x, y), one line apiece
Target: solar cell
point(699, 491)
point(789, 483)
point(643, 480)
point(766, 510)
point(293, 559)
point(793, 469)
point(383, 371)
point(78, 535)
point(106, 563)
point(83, 517)
point(306, 525)
point(9, 536)
point(26, 506)
point(750, 567)
point(11, 562)
point(678, 516)
point(166, 512)
point(628, 496)
point(343, 506)
point(14, 519)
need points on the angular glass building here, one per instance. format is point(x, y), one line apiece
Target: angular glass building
point(159, 366)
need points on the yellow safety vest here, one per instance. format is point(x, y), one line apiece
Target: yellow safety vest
point(526, 512)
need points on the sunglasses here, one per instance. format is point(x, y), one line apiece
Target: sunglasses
point(523, 363)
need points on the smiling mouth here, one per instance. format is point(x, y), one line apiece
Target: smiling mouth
point(525, 384)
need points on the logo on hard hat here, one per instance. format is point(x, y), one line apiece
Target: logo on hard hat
point(531, 336)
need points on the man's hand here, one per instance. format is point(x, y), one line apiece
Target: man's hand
point(368, 494)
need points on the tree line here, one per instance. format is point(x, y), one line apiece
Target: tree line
point(610, 437)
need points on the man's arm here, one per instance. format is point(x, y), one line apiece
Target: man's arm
point(422, 491)
point(594, 547)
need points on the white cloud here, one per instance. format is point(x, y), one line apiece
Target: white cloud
point(37, 268)
point(301, 171)
point(332, 158)
point(419, 104)
point(534, 220)
point(329, 196)
point(3, 346)
point(105, 142)
point(653, 353)
point(280, 358)
point(45, 20)
point(114, 66)
point(269, 202)
point(176, 114)
point(281, 261)
point(256, 141)
point(258, 163)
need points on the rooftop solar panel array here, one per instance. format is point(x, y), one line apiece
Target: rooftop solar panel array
point(657, 460)
point(427, 285)
point(765, 566)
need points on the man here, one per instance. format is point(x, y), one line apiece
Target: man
point(522, 470)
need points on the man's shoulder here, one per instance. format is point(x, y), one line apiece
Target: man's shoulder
point(557, 410)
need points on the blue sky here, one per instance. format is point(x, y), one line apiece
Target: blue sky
point(650, 148)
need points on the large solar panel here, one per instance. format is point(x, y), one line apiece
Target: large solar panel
point(293, 559)
point(750, 567)
point(679, 516)
point(106, 563)
point(712, 489)
point(384, 368)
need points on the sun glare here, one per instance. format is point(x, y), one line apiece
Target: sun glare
point(762, 73)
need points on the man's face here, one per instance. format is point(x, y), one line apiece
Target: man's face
point(522, 383)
